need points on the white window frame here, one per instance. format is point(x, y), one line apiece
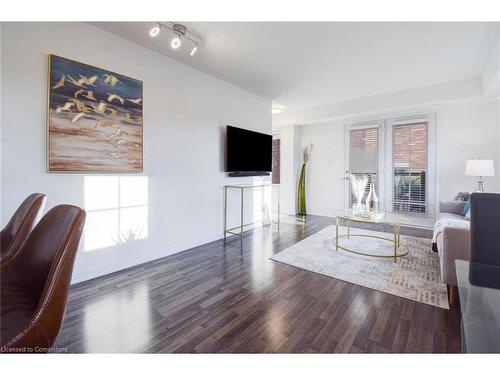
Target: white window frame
point(430, 119)
point(386, 125)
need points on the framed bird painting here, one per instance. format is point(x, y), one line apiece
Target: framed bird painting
point(94, 119)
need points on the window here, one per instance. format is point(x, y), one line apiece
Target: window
point(363, 156)
point(276, 159)
point(398, 155)
point(409, 167)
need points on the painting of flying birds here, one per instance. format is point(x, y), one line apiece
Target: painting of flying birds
point(94, 121)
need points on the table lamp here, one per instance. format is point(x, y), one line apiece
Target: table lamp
point(480, 168)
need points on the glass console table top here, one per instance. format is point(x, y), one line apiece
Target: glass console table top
point(480, 308)
point(379, 217)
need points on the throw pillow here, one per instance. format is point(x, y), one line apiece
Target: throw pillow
point(466, 208)
point(467, 215)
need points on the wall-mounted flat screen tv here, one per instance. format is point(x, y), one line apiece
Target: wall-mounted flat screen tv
point(249, 153)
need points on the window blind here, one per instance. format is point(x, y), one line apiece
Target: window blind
point(363, 157)
point(409, 165)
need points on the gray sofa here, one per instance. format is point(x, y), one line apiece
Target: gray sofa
point(452, 237)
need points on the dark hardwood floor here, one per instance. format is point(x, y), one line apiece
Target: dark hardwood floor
point(220, 298)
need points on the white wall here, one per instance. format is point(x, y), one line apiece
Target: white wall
point(497, 166)
point(466, 132)
point(491, 68)
point(185, 113)
point(290, 157)
point(1, 106)
point(462, 132)
point(325, 169)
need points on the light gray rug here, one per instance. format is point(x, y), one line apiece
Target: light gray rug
point(415, 276)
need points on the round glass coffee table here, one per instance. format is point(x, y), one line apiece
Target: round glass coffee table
point(381, 218)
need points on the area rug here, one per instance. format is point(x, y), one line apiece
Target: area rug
point(415, 276)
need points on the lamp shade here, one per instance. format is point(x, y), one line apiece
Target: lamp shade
point(479, 167)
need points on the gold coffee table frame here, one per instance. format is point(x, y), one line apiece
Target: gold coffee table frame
point(379, 218)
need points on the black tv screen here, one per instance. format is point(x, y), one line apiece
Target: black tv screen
point(248, 151)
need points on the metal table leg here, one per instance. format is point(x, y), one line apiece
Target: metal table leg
point(241, 218)
point(337, 235)
point(225, 213)
point(396, 245)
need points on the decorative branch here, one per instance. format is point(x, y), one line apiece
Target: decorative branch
point(307, 153)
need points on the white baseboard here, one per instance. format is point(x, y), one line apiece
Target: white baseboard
point(117, 266)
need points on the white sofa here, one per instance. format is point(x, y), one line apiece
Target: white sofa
point(452, 237)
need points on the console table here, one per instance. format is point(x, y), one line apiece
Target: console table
point(238, 231)
point(480, 308)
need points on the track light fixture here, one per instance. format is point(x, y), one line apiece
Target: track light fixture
point(180, 33)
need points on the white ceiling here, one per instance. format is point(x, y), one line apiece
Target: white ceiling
point(304, 64)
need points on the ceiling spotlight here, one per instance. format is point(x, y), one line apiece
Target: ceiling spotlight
point(178, 30)
point(180, 35)
point(176, 42)
point(275, 109)
point(155, 31)
point(193, 51)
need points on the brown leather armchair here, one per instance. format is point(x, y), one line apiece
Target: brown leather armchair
point(34, 284)
point(20, 225)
